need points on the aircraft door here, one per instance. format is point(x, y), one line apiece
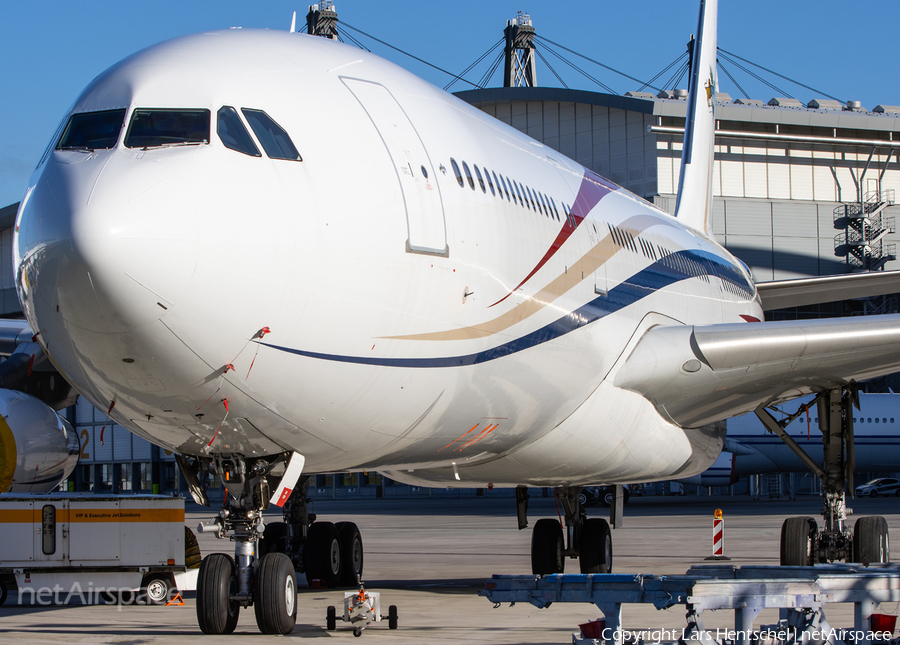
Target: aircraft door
point(598, 253)
point(424, 209)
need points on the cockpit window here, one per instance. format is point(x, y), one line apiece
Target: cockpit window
point(275, 141)
point(151, 128)
point(92, 130)
point(233, 133)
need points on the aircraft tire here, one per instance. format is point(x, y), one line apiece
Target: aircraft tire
point(798, 540)
point(274, 539)
point(275, 596)
point(595, 546)
point(216, 612)
point(351, 545)
point(330, 618)
point(547, 548)
point(322, 554)
point(870, 540)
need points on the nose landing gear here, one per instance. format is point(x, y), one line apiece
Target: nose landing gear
point(266, 559)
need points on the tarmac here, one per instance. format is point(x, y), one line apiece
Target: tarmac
point(431, 556)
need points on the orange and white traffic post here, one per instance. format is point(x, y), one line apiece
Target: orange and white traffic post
point(718, 540)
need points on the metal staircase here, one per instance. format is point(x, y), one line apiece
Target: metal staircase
point(865, 227)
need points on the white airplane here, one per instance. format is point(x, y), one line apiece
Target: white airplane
point(278, 255)
point(751, 449)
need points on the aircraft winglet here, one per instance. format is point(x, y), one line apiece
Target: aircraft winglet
point(694, 206)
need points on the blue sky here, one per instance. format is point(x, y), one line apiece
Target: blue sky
point(50, 50)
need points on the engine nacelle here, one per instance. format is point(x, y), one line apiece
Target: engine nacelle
point(721, 473)
point(38, 448)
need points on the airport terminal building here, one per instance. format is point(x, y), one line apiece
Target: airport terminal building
point(800, 190)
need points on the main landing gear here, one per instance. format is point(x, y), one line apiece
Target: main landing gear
point(802, 543)
point(262, 572)
point(588, 539)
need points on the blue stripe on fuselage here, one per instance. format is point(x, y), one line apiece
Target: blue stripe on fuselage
point(668, 270)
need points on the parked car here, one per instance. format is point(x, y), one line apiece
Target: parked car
point(603, 495)
point(881, 486)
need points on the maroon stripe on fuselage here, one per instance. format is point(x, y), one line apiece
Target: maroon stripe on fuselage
point(593, 188)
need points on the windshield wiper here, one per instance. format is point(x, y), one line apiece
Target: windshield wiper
point(76, 148)
point(174, 144)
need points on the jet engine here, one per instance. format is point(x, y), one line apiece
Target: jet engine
point(38, 448)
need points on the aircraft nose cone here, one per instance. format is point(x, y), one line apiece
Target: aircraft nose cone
point(96, 251)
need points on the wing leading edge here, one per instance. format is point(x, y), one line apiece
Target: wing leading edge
point(830, 288)
point(698, 375)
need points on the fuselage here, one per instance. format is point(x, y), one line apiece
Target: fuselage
point(422, 290)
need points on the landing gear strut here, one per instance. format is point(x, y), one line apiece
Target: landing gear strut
point(802, 543)
point(588, 539)
point(224, 585)
point(266, 557)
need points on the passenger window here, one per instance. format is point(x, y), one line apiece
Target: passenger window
point(505, 189)
point(456, 172)
point(275, 141)
point(468, 175)
point(155, 128)
point(534, 206)
point(499, 187)
point(487, 175)
point(522, 201)
point(92, 130)
point(233, 134)
point(480, 179)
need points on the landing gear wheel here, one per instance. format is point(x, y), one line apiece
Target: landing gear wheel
point(595, 546)
point(870, 540)
point(156, 589)
point(322, 554)
point(351, 553)
point(357, 632)
point(275, 596)
point(547, 548)
point(216, 612)
point(392, 617)
point(274, 539)
point(798, 541)
point(330, 618)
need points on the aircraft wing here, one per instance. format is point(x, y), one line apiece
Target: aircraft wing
point(697, 375)
point(830, 288)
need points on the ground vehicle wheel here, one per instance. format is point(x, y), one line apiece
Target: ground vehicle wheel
point(322, 554)
point(873, 494)
point(583, 498)
point(547, 548)
point(798, 540)
point(155, 589)
point(609, 497)
point(274, 539)
point(392, 617)
point(595, 546)
point(216, 612)
point(275, 596)
point(351, 553)
point(870, 540)
point(330, 618)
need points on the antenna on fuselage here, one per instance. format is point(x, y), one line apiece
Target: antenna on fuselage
point(322, 20)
